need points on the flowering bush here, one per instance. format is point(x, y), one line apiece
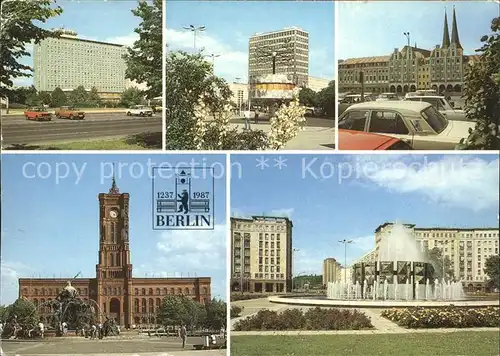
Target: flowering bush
point(313, 319)
point(449, 317)
point(286, 123)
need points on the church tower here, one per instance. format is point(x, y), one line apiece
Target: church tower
point(114, 270)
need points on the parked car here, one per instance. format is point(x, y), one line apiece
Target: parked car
point(357, 140)
point(69, 112)
point(37, 114)
point(139, 110)
point(387, 96)
point(349, 100)
point(439, 102)
point(417, 123)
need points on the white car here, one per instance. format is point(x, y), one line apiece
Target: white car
point(444, 107)
point(417, 123)
point(387, 96)
point(139, 110)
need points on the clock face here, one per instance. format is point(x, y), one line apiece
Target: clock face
point(113, 213)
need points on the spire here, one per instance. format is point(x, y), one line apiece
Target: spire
point(454, 31)
point(446, 33)
point(114, 188)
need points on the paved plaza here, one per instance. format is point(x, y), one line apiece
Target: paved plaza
point(77, 346)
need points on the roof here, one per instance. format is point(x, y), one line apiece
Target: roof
point(361, 60)
point(358, 140)
point(400, 105)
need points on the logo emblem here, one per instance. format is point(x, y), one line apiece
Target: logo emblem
point(183, 198)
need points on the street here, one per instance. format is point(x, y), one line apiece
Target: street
point(142, 345)
point(17, 130)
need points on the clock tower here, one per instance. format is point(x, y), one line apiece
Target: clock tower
point(114, 270)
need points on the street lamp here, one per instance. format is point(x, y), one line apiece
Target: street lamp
point(293, 263)
point(213, 56)
point(194, 29)
point(407, 35)
point(345, 242)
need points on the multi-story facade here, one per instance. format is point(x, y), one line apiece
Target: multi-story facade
point(68, 62)
point(239, 93)
point(317, 84)
point(291, 49)
point(261, 254)
point(442, 68)
point(331, 270)
point(114, 290)
point(467, 248)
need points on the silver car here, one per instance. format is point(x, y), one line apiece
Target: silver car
point(418, 123)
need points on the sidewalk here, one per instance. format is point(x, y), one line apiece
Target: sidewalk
point(310, 138)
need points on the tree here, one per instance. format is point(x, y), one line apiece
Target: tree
point(308, 97)
point(144, 60)
point(326, 99)
point(131, 96)
point(44, 98)
point(94, 100)
point(58, 97)
point(216, 314)
point(436, 259)
point(24, 311)
point(18, 28)
point(492, 269)
point(482, 95)
point(286, 124)
point(31, 96)
point(177, 310)
point(79, 97)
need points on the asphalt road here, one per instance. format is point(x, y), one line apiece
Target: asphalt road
point(82, 346)
point(17, 130)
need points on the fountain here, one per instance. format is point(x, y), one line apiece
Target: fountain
point(401, 272)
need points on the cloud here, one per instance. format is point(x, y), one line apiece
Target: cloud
point(458, 181)
point(127, 40)
point(285, 212)
point(306, 262)
point(230, 64)
point(188, 250)
point(10, 272)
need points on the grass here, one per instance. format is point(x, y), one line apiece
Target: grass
point(114, 144)
point(473, 343)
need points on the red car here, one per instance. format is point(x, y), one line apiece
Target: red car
point(359, 140)
point(37, 114)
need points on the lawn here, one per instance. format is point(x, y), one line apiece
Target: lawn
point(115, 144)
point(474, 343)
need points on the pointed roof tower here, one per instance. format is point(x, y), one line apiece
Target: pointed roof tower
point(114, 188)
point(446, 33)
point(454, 31)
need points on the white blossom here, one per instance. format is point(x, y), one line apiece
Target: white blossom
point(286, 124)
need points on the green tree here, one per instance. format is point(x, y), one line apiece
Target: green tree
point(18, 28)
point(492, 269)
point(216, 314)
point(131, 96)
point(436, 258)
point(31, 96)
point(79, 97)
point(94, 99)
point(176, 310)
point(58, 97)
point(44, 98)
point(482, 95)
point(326, 99)
point(144, 60)
point(24, 311)
point(308, 97)
point(314, 281)
point(3, 312)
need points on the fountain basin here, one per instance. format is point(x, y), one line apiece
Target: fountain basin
point(364, 303)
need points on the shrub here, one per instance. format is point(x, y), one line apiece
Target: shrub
point(449, 317)
point(238, 296)
point(236, 311)
point(314, 319)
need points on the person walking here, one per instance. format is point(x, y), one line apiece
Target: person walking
point(256, 116)
point(183, 335)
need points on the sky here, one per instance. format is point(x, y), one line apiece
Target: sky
point(50, 219)
point(334, 197)
point(229, 25)
point(107, 21)
point(376, 28)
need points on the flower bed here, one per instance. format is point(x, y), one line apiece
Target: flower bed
point(449, 317)
point(312, 319)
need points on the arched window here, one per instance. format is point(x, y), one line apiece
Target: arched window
point(165, 290)
point(151, 305)
point(137, 291)
point(136, 305)
point(112, 258)
point(118, 259)
point(179, 290)
point(104, 307)
point(150, 291)
point(158, 302)
point(157, 291)
point(143, 306)
point(143, 291)
point(36, 291)
point(172, 291)
point(205, 290)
